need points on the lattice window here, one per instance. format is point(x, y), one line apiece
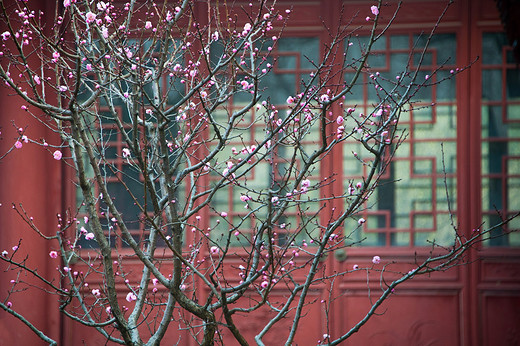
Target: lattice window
point(500, 137)
point(291, 62)
point(409, 207)
point(123, 180)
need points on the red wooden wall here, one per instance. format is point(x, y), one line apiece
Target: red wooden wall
point(469, 305)
point(31, 176)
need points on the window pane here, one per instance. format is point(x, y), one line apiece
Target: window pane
point(500, 129)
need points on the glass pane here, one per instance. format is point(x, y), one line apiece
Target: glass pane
point(500, 129)
point(492, 44)
point(492, 78)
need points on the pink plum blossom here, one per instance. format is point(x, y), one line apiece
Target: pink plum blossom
point(126, 152)
point(5, 35)
point(102, 6)
point(324, 98)
point(223, 214)
point(376, 260)
point(130, 297)
point(355, 267)
point(361, 221)
point(18, 145)
point(89, 236)
point(341, 129)
point(57, 155)
point(375, 10)
point(53, 254)
point(247, 28)
point(214, 250)
point(264, 284)
point(90, 17)
point(148, 25)
point(96, 292)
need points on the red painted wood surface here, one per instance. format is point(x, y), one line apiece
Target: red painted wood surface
point(31, 177)
point(468, 305)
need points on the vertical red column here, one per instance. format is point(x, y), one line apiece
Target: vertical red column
point(332, 164)
point(468, 159)
point(29, 178)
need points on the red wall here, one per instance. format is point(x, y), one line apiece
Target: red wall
point(31, 177)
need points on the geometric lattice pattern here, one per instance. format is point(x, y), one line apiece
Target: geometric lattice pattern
point(409, 207)
point(123, 180)
point(290, 61)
